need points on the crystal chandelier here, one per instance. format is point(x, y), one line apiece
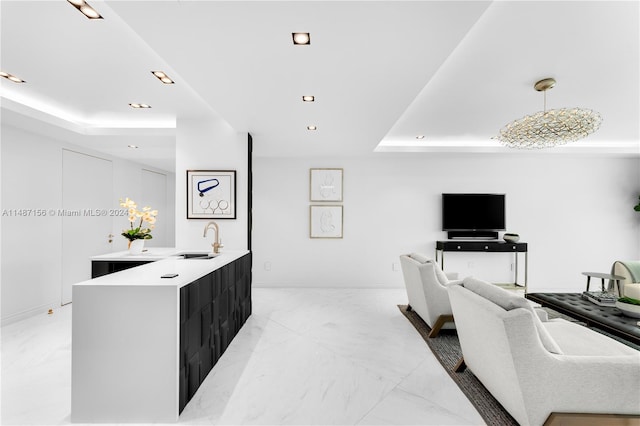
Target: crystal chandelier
point(546, 129)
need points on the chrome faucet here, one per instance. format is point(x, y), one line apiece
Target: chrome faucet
point(216, 242)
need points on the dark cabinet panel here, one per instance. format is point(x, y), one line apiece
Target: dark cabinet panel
point(104, 267)
point(212, 311)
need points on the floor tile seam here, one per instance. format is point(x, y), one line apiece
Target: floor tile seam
point(433, 403)
point(374, 373)
point(389, 378)
point(373, 407)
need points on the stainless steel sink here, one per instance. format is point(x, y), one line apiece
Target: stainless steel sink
point(203, 256)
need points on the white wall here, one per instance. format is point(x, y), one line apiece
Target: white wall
point(210, 144)
point(576, 213)
point(31, 246)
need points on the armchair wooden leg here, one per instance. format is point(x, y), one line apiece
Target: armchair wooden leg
point(460, 366)
point(440, 321)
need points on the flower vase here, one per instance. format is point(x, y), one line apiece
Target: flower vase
point(136, 246)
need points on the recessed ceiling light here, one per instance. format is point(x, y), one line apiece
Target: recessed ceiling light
point(133, 146)
point(301, 38)
point(139, 106)
point(420, 137)
point(86, 10)
point(308, 98)
point(312, 128)
point(162, 77)
point(11, 77)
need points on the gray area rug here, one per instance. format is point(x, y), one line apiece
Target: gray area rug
point(446, 348)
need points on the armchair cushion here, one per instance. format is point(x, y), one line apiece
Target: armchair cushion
point(421, 258)
point(508, 301)
point(440, 275)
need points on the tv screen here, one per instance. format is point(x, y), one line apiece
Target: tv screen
point(473, 212)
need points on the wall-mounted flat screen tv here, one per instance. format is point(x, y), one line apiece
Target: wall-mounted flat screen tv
point(473, 212)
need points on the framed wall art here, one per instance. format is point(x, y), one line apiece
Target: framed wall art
point(211, 194)
point(325, 221)
point(325, 184)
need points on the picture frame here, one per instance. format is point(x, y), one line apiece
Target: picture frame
point(211, 194)
point(325, 184)
point(326, 221)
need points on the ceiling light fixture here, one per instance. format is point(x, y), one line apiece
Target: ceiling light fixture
point(162, 77)
point(420, 137)
point(301, 38)
point(137, 106)
point(312, 128)
point(133, 146)
point(11, 77)
point(546, 129)
point(308, 98)
point(86, 10)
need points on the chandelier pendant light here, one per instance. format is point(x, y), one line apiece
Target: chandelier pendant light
point(546, 129)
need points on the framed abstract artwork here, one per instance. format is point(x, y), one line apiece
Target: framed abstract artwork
point(211, 194)
point(325, 221)
point(325, 184)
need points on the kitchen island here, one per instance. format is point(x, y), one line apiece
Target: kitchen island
point(142, 344)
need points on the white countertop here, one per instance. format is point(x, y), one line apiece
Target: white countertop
point(149, 274)
point(151, 253)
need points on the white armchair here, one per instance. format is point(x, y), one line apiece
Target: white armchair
point(427, 291)
point(535, 367)
point(630, 285)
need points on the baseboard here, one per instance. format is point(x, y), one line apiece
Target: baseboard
point(42, 309)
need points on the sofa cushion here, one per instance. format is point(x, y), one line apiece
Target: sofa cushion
point(497, 295)
point(508, 301)
point(575, 339)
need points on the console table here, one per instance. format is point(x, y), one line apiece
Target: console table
point(489, 247)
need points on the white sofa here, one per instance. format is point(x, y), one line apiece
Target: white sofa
point(534, 366)
point(427, 292)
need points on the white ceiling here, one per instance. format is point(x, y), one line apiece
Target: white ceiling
point(382, 72)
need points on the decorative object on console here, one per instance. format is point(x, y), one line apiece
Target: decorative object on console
point(546, 129)
point(211, 194)
point(325, 184)
point(511, 238)
point(137, 234)
point(637, 206)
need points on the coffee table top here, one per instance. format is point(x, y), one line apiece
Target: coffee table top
point(603, 276)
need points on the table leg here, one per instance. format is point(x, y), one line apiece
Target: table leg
point(516, 280)
point(588, 281)
point(602, 284)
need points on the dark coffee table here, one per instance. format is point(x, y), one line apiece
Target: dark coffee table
point(609, 319)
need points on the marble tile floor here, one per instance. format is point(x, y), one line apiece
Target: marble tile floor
point(305, 357)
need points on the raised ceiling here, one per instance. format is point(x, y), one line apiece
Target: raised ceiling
point(382, 72)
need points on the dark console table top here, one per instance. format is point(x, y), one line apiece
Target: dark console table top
point(609, 319)
point(481, 245)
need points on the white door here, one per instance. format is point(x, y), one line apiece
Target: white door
point(154, 195)
point(87, 196)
